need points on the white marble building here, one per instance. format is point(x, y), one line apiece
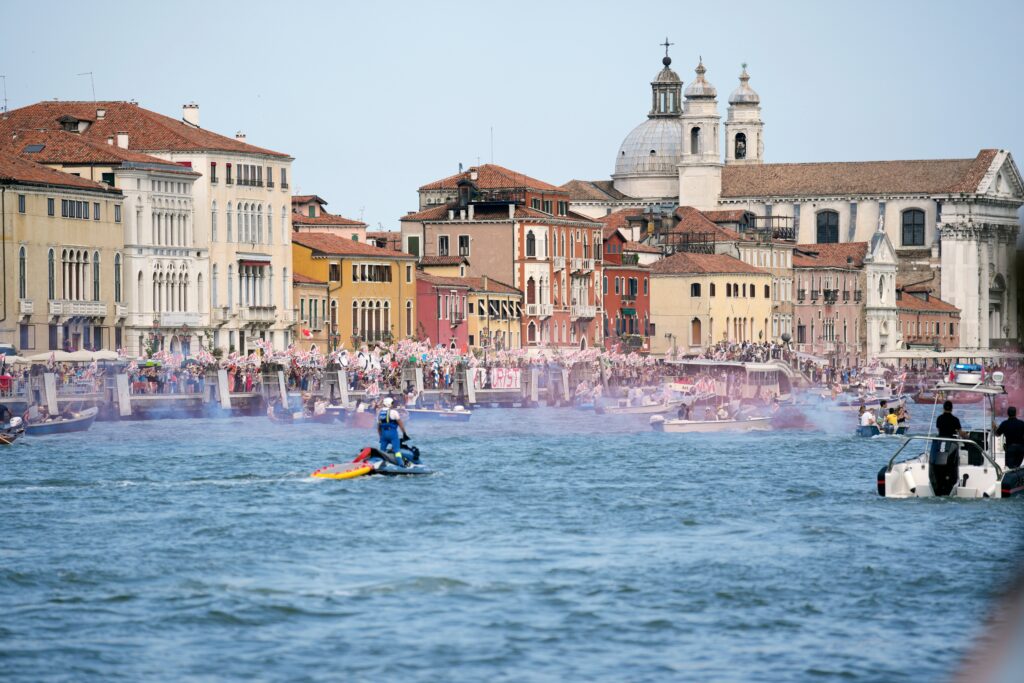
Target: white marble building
point(953, 219)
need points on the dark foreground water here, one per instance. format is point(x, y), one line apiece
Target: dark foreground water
point(552, 546)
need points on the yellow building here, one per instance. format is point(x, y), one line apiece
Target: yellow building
point(698, 300)
point(369, 292)
point(62, 251)
point(495, 312)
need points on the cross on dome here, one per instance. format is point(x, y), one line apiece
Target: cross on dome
point(666, 60)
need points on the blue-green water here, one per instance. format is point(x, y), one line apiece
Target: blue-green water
point(552, 545)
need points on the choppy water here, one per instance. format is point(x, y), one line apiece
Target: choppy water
point(552, 545)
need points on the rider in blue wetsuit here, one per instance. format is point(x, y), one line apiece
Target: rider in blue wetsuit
point(388, 425)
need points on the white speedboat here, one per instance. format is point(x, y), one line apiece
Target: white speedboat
point(624, 408)
point(456, 414)
point(974, 467)
point(660, 424)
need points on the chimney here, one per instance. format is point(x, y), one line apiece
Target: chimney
point(240, 136)
point(101, 114)
point(485, 283)
point(451, 214)
point(110, 140)
point(474, 173)
point(122, 139)
point(462, 214)
point(511, 211)
point(470, 212)
point(190, 114)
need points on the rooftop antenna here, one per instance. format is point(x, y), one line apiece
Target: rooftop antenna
point(361, 210)
point(4, 79)
point(92, 83)
point(492, 144)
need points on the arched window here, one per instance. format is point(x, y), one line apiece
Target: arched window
point(913, 228)
point(767, 292)
point(96, 276)
point(285, 300)
point(828, 227)
point(740, 147)
point(117, 278)
point(284, 226)
point(138, 294)
point(231, 287)
point(214, 284)
point(695, 335)
point(531, 244)
point(711, 287)
point(213, 221)
point(744, 289)
point(200, 302)
point(531, 333)
point(228, 216)
point(270, 224)
point(695, 140)
point(531, 291)
point(695, 289)
point(728, 289)
point(22, 266)
point(408, 317)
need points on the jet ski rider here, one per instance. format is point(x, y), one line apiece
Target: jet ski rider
point(388, 424)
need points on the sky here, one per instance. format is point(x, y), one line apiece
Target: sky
point(375, 99)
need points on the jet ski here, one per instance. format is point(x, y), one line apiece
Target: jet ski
point(375, 461)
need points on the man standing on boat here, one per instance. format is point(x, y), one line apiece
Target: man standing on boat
point(1012, 431)
point(388, 424)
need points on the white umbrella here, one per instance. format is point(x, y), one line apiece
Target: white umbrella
point(105, 354)
point(80, 356)
point(58, 356)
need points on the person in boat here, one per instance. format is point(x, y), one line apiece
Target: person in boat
point(867, 418)
point(67, 413)
point(709, 416)
point(5, 414)
point(684, 412)
point(389, 422)
point(891, 421)
point(901, 417)
point(1012, 431)
point(723, 412)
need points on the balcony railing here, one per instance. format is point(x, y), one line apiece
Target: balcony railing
point(858, 295)
point(120, 311)
point(558, 262)
point(88, 309)
point(814, 295)
point(539, 310)
point(259, 314)
point(801, 294)
point(830, 295)
point(270, 183)
point(846, 296)
point(220, 314)
point(26, 307)
point(284, 186)
point(180, 319)
point(213, 180)
point(228, 181)
point(583, 311)
point(582, 264)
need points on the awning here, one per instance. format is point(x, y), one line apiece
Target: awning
point(249, 262)
point(628, 312)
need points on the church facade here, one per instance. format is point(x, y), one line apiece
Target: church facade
point(953, 219)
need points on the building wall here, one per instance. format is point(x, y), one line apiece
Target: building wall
point(674, 310)
point(617, 324)
point(503, 332)
point(833, 330)
point(929, 327)
point(490, 244)
point(441, 314)
point(74, 316)
point(314, 314)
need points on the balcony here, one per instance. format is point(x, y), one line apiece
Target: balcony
point(26, 307)
point(228, 181)
point(284, 186)
point(558, 262)
point(213, 180)
point(270, 184)
point(220, 314)
point(814, 295)
point(539, 310)
point(180, 319)
point(582, 311)
point(846, 296)
point(120, 311)
point(801, 294)
point(857, 296)
point(456, 320)
point(582, 264)
point(259, 314)
point(831, 296)
point(85, 309)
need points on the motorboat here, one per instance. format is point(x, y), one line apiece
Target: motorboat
point(10, 432)
point(871, 431)
point(375, 461)
point(935, 466)
point(957, 397)
point(79, 422)
point(300, 417)
point(623, 407)
point(660, 424)
point(456, 414)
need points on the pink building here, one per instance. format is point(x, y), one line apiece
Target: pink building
point(829, 310)
point(441, 310)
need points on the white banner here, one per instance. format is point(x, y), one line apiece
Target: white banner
point(506, 378)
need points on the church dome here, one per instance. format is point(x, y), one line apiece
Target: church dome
point(744, 94)
point(667, 75)
point(655, 147)
point(700, 87)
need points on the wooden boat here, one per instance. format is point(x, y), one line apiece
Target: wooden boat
point(660, 424)
point(8, 438)
point(452, 415)
point(81, 422)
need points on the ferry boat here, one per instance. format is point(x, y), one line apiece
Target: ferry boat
point(974, 467)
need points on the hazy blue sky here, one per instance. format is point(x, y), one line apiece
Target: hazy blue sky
point(375, 99)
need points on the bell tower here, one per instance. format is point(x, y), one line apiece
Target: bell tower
point(744, 129)
point(700, 171)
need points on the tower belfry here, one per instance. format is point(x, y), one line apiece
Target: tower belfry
point(744, 129)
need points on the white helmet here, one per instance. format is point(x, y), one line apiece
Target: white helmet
point(388, 401)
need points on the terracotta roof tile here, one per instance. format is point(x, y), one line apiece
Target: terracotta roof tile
point(147, 130)
point(14, 169)
point(451, 260)
point(637, 247)
point(492, 177)
point(592, 191)
point(324, 219)
point(441, 280)
point(909, 302)
point(925, 176)
point(618, 219)
point(391, 238)
point(474, 283)
point(694, 222)
point(725, 215)
point(838, 255)
point(685, 263)
point(62, 147)
point(331, 245)
point(307, 198)
point(300, 279)
point(492, 213)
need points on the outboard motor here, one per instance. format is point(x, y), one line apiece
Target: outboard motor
point(944, 470)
